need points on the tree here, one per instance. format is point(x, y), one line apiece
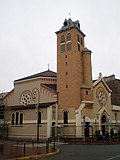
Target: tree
point(3, 118)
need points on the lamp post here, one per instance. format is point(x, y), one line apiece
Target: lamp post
point(108, 123)
point(36, 92)
point(37, 108)
point(84, 126)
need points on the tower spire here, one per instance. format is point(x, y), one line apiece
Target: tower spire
point(48, 66)
point(69, 15)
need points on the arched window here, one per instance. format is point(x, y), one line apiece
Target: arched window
point(63, 47)
point(62, 39)
point(69, 46)
point(78, 38)
point(103, 119)
point(82, 41)
point(62, 43)
point(21, 118)
point(13, 119)
point(39, 117)
point(78, 47)
point(17, 118)
point(68, 37)
point(65, 116)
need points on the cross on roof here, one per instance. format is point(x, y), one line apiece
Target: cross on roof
point(48, 66)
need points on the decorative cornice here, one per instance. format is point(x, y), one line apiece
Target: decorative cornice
point(32, 106)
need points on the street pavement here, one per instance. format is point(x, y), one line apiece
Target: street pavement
point(86, 152)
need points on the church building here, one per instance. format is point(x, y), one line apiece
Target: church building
point(67, 103)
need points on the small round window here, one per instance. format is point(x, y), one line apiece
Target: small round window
point(26, 98)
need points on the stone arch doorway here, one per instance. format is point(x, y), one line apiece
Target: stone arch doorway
point(103, 124)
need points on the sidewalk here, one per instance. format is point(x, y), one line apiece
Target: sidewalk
point(28, 150)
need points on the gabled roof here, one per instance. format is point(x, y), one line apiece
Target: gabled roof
point(4, 95)
point(101, 79)
point(47, 73)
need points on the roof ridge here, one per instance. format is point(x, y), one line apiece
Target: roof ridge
point(47, 73)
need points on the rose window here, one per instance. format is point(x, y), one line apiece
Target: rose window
point(26, 98)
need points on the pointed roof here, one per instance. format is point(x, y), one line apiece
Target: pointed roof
point(69, 24)
point(101, 79)
point(86, 50)
point(47, 73)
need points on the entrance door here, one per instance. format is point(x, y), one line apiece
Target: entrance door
point(103, 124)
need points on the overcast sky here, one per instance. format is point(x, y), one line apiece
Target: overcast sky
point(28, 39)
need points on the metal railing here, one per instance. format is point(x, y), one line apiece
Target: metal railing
point(17, 148)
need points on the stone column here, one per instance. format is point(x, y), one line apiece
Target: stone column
point(78, 123)
point(78, 113)
point(99, 121)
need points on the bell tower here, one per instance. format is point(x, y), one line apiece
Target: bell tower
point(74, 73)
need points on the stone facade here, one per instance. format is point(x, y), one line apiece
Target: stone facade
point(22, 111)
